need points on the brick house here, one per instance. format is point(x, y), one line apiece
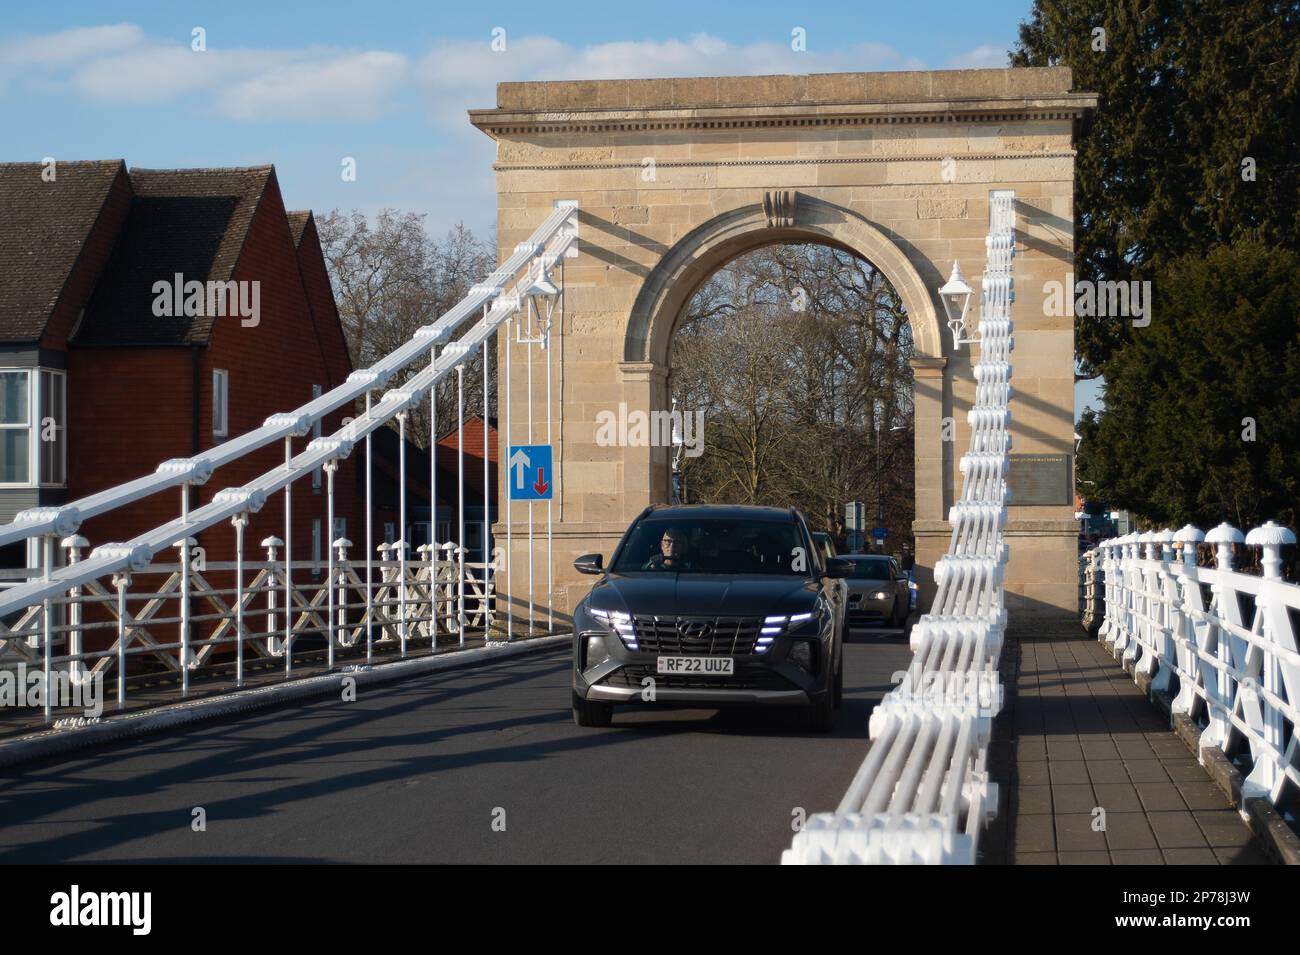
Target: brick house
point(97, 387)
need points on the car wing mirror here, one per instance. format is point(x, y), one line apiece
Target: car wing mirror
point(590, 564)
point(839, 567)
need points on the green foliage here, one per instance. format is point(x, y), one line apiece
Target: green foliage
point(1189, 89)
point(1223, 346)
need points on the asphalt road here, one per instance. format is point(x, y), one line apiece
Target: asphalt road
point(429, 770)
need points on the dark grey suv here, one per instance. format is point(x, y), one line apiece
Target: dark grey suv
point(711, 605)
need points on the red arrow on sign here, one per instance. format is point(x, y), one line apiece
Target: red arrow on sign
point(540, 484)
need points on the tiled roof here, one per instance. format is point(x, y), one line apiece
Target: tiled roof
point(473, 439)
point(43, 226)
point(298, 224)
point(188, 221)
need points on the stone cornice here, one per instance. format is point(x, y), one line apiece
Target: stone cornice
point(798, 161)
point(517, 122)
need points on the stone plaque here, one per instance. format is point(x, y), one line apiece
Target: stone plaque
point(1040, 479)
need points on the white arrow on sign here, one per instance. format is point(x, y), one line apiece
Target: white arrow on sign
point(519, 461)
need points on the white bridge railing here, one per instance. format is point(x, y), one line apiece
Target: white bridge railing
point(1220, 643)
point(51, 609)
point(420, 603)
point(922, 795)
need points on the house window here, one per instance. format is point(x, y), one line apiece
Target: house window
point(53, 428)
point(316, 433)
point(220, 403)
point(15, 426)
point(474, 541)
point(33, 427)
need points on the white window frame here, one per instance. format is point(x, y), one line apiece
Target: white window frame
point(33, 460)
point(60, 427)
point(220, 409)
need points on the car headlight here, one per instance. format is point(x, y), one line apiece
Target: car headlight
point(617, 622)
point(880, 595)
point(774, 627)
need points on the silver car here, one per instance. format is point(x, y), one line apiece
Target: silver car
point(878, 591)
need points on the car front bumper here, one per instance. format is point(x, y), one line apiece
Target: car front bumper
point(616, 674)
point(866, 609)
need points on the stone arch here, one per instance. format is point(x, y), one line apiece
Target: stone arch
point(673, 177)
point(681, 271)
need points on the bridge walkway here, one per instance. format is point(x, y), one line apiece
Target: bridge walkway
point(1078, 735)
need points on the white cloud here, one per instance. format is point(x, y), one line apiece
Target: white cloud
point(154, 73)
point(355, 86)
point(121, 64)
point(70, 46)
point(459, 76)
point(982, 57)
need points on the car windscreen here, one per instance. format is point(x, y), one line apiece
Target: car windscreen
point(870, 570)
point(715, 546)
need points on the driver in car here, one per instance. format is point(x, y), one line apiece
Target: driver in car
point(672, 554)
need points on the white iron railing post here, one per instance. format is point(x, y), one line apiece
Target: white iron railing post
point(240, 521)
point(1266, 777)
point(76, 665)
point(273, 642)
point(341, 545)
point(121, 581)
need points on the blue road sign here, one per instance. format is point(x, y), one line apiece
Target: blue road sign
point(529, 472)
point(879, 533)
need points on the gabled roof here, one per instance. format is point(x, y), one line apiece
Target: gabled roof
point(43, 228)
point(188, 221)
point(298, 224)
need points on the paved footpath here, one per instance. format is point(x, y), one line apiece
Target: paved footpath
point(1077, 734)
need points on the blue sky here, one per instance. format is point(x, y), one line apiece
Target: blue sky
point(303, 86)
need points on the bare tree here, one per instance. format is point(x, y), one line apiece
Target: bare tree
point(390, 278)
point(798, 357)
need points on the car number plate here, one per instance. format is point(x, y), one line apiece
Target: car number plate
point(710, 666)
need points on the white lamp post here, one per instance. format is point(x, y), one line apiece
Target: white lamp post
point(955, 295)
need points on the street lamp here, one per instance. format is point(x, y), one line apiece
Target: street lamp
point(542, 284)
point(955, 295)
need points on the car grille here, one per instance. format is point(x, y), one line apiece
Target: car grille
point(722, 636)
point(746, 678)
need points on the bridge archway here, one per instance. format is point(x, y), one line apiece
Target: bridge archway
point(675, 177)
point(731, 234)
point(666, 293)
